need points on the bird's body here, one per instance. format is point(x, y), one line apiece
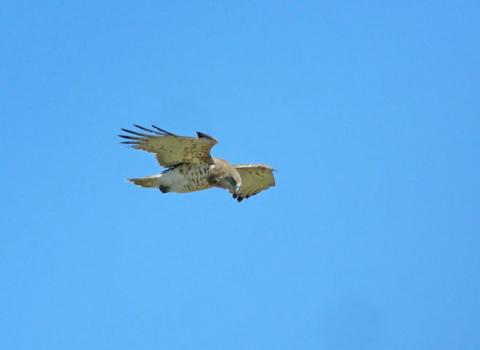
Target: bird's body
point(183, 178)
point(190, 167)
point(186, 178)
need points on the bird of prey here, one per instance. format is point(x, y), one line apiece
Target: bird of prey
point(189, 166)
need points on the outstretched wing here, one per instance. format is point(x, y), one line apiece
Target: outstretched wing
point(255, 178)
point(171, 149)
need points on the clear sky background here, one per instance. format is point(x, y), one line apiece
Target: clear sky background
point(369, 110)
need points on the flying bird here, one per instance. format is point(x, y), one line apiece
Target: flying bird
point(190, 167)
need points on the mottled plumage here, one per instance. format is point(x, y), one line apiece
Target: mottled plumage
point(190, 166)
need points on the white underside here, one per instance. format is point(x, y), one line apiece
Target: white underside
point(175, 180)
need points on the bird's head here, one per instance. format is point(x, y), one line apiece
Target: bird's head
point(223, 175)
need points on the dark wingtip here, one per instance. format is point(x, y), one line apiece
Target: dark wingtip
point(201, 135)
point(142, 134)
point(146, 129)
point(130, 137)
point(153, 133)
point(165, 132)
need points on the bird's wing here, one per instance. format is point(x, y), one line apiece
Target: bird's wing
point(255, 178)
point(171, 149)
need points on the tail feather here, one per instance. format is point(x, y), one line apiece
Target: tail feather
point(149, 181)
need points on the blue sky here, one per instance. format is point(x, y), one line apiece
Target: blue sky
point(369, 110)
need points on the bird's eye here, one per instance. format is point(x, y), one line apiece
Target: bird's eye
point(231, 181)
